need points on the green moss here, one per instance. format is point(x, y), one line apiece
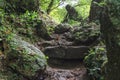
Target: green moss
point(22, 58)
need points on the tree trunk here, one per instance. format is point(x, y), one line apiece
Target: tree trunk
point(110, 27)
point(94, 10)
point(50, 6)
point(21, 6)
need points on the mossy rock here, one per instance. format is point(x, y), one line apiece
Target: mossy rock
point(87, 34)
point(24, 58)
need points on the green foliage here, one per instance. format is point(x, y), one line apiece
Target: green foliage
point(25, 20)
point(58, 14)
point(5, 33)
point(83, 8)
point(44, 4)
point(2, 4)
point(114, 7)
point(94, 62)
point(23, 24)
point(72, 22)
point(29, 16)
point(114, 11)
point(18, 6)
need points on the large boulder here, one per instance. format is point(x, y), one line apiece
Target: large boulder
point(24, 58)
point(66, 52)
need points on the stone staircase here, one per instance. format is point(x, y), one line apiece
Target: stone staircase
point(66, 56)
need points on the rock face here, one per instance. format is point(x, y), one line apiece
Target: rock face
point(62, 28)
point(66, 52)
point(24, 58)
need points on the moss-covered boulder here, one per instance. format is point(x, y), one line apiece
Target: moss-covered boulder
point(23, 58)
point(86, 35)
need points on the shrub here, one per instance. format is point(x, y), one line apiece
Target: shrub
point(94, 62)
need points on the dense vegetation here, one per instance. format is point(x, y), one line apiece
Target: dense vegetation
point(59, 28)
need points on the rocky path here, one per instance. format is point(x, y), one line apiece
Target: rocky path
point(67, 74)
point(67, 50)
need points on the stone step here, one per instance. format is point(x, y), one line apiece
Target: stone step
point(66, 52)
point(79, 73)
point(64, 63)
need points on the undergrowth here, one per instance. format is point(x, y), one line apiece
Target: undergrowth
point(95, 62)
